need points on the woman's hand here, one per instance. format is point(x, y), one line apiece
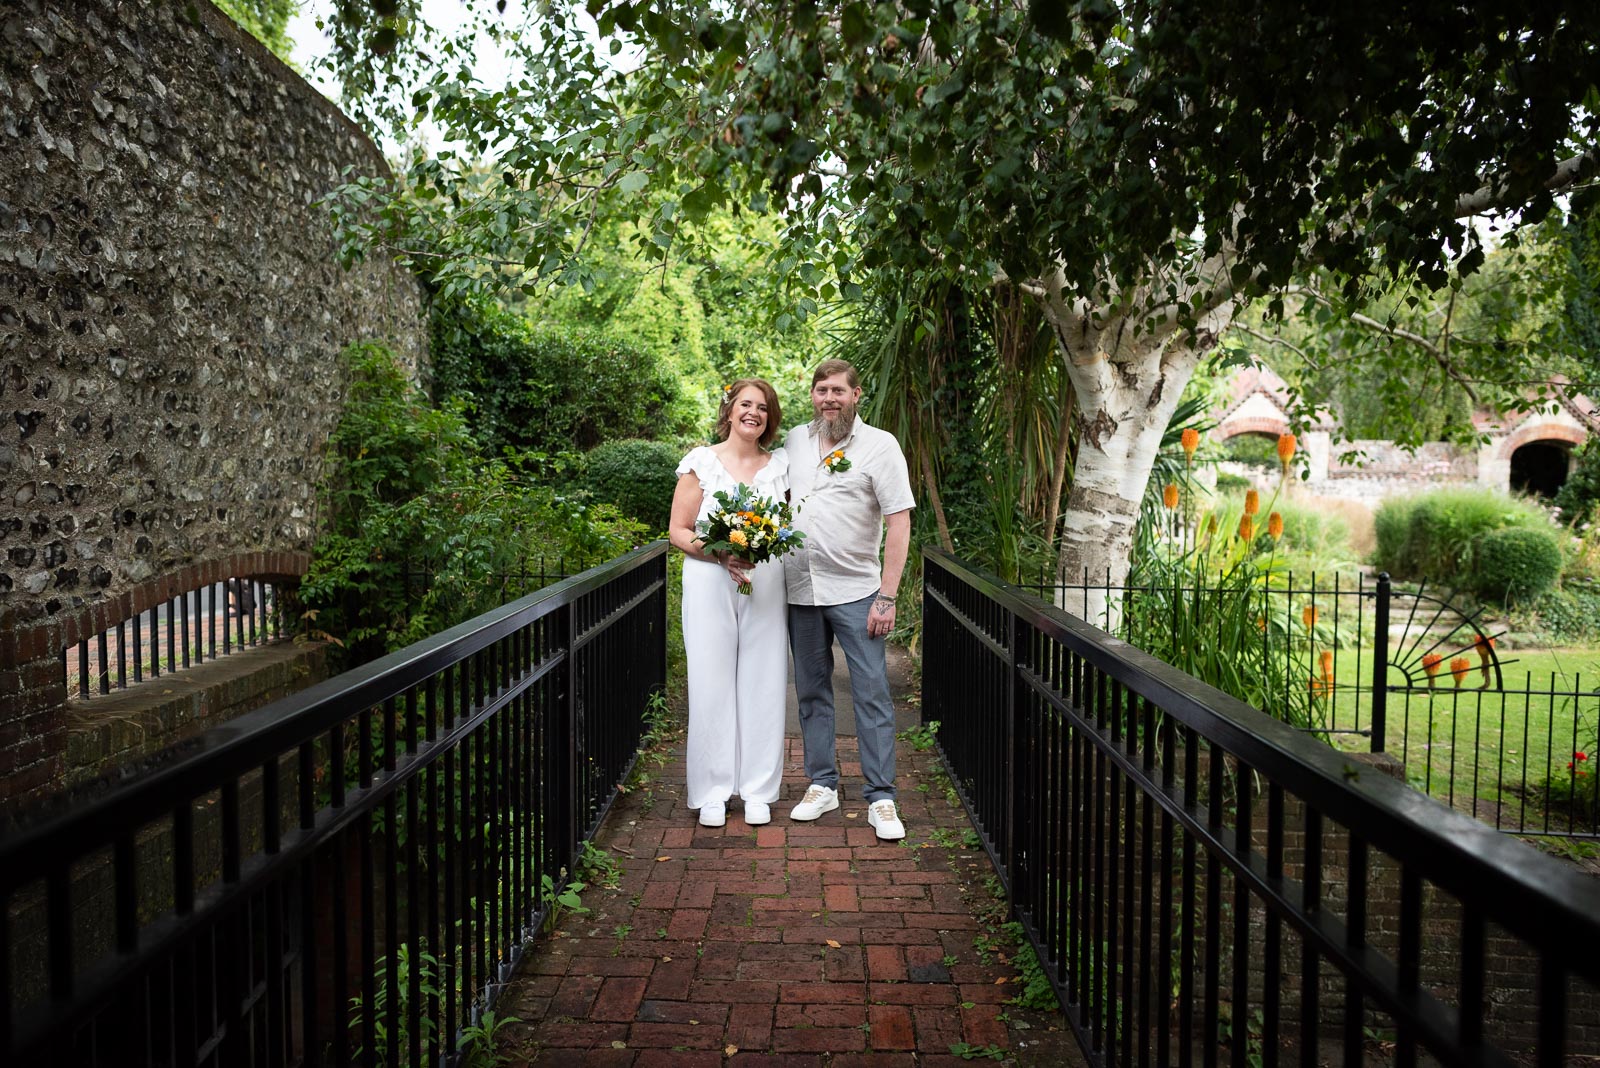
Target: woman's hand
point(737, 567)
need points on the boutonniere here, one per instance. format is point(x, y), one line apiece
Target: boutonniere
point(836, 461)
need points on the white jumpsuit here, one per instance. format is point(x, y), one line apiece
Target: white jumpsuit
point(738, 657)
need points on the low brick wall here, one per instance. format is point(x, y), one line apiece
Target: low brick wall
point(108, 736)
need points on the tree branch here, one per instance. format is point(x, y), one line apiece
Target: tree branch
point(1491, 195)
point(1273, 339)
point(1399, 333)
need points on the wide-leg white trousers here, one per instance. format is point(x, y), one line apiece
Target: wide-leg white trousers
point(738, 653)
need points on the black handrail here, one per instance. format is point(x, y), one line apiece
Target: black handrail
point(502, 741)
point(1095, 743)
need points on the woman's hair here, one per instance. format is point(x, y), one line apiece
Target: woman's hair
point(829, 368)
point(774, 410)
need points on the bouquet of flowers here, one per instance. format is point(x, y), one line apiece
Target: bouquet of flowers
point(752, 528)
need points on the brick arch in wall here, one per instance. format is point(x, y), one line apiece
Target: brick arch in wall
point(1562, 432)
point(68, 627)
point(1256, 424)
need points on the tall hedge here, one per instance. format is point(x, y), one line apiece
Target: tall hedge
point(550, 388)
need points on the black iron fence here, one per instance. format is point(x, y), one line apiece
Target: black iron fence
point(190, 628)
point(1382, 667)
point(344, 876)
point(1205, 883)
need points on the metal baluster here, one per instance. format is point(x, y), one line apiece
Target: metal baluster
point(1355, 939)
point(138, 649)
point(1311, 903)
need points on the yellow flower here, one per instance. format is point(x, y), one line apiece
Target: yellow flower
point(737, 537)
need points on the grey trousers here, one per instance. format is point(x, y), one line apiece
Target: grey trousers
point(812, 629)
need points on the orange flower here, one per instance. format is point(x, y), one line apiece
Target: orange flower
point(1247, 528)
point(1275, 526)
point(1327, 665)
point(1483, 645)
point(1169, 495)
point(1286, 446)
point(1252, 502)
point(1191, 441)
point(1261, 624)
point(1430, 664)
point(1308, 616)
point(1458, 670)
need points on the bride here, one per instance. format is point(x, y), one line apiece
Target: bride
point(737, 645)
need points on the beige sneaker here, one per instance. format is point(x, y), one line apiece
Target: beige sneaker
point(884, 820)
point(818, 799)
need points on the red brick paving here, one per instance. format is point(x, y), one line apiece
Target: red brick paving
point(785, 946)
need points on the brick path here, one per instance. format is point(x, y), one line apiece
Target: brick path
point(787, 945)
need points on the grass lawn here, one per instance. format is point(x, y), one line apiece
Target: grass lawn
point(1478, 750)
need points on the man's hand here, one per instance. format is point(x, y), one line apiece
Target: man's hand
point(880, 617)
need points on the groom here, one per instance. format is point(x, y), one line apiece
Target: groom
point(851, 482)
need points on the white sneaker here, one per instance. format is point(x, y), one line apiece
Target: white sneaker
point(818, 799)
point(713, 814)
point(885, 820)
point(756, 813)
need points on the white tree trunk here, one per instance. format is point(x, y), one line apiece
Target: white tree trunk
point(1129, 375)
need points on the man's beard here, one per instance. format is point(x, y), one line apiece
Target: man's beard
point(836, 428)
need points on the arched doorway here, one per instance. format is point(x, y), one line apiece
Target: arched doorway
point(1540, 467)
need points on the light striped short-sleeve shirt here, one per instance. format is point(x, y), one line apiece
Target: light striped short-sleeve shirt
point(841, 513)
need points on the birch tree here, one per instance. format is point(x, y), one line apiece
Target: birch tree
point(1138, 168)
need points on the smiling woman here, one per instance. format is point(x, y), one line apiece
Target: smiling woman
point(735, 628)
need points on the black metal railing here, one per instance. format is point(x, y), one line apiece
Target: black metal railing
point(346, 875)
point(1203, 883)
point(189, 628)
point(1385, 667)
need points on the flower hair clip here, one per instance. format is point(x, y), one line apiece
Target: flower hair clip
point(836, 462)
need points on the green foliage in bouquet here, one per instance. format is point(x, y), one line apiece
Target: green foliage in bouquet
point(750, 526)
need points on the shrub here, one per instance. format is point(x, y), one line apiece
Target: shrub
point(406, 482)
point(636, 476)
point(1515, 564)
point(549, 389)
point(1391, 526)
point(1569, 614)
point(1316, 535)
point(1433, 535)
point(1580, 493)
point(1228, 482)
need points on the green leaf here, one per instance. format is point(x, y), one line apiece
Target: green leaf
point(634, 182)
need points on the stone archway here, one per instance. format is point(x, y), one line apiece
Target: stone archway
point(1539, 457)
point(1540, 467)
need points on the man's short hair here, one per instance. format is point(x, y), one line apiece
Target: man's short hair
point(829, 368)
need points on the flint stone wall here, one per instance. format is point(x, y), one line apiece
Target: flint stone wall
point(171, 311)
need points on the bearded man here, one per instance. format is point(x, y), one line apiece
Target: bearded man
point(852, 485)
